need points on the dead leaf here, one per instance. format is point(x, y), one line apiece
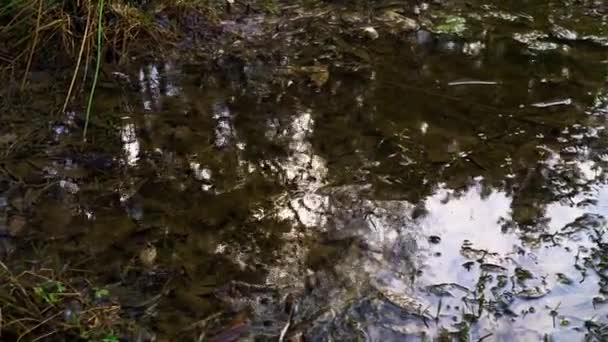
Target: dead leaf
point(318, 74)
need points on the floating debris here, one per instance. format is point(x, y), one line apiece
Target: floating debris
point(462, 83)
point(447, 289)
point(493, 268)
point(535, 292)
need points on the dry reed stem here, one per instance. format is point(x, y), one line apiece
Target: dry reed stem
point(29, 61)
point(15, 17)
point(82, 45)
point(45, 335)
point(39, 325)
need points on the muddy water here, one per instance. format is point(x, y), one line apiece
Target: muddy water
point(440, 182)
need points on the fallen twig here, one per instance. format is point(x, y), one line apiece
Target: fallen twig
point(564, 102)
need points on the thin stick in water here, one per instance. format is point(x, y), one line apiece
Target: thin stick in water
point(461, 83)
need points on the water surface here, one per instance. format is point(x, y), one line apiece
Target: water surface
point(447, 181)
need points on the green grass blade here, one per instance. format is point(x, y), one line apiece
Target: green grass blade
point(98, 65)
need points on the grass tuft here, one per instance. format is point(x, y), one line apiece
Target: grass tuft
point(48, 34)
point(38, 304)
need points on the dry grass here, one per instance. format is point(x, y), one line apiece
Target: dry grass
point(49, 34)
point(60, 32)
point(40, 304)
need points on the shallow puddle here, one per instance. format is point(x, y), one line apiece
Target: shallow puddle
point(443, 183)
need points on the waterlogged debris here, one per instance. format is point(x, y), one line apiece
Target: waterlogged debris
point(599, 300)
point(564, 102)
point(543, 46)
point(397, 22)
point(599, 40)
point(535, 41)
point(563, 33)
point(564, 279)
point(492, 268)
point(510, 16)
point(524, 290)
point(505, 299)
point(447, 289)
point(523, 274)
point(529, 37)
point(503, 16)
point(409, 304)
point(317, 74)
point(451, 25)
point(481, 255)
point(584, 222)
point(352, 18)
point(534, 292)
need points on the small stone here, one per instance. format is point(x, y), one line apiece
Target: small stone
point(147, 255)
point(371, 33)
